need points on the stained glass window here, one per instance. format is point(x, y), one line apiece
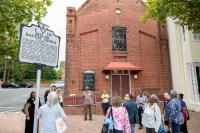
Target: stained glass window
point(119, 39)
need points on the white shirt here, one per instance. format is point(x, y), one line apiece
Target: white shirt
point(152, 117)
point(48, 116)
point(141, 100)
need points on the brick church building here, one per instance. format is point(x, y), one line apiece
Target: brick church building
point(109, 48)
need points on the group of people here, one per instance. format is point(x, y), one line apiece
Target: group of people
point(146, 111)
point(176, 114)
point(48, 113)
point(126, 113)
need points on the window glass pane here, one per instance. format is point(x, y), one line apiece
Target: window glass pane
point(198, 77)
point(119, 39)
point(195, 37)
point(198, 37)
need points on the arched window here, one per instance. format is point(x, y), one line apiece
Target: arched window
point(119, 39)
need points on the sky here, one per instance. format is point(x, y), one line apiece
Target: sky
point(56, 20)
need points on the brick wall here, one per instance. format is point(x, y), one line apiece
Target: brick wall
point(89, 45)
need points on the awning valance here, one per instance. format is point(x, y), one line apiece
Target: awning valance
point(122, 66)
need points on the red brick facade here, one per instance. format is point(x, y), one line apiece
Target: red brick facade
point(89, 46)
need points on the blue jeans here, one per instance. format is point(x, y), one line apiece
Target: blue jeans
point(132, 128)
point(176, 128)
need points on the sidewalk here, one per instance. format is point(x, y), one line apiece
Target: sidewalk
point(14, 123)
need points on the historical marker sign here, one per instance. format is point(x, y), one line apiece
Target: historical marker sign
point(38, 45)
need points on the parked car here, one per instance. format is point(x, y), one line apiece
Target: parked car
point(26, 85)
point(58, 84)
point(9, 85)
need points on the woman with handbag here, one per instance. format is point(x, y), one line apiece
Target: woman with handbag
point(52, 116)
point(120, 116)
point(29, 109)
point(152, 116)
point(185, 114)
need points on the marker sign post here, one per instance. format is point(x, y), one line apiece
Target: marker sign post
point(39, 46)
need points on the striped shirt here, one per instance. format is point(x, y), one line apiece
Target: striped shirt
point(48, 116)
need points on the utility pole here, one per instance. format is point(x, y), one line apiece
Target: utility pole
point(5, 70)
point(5, 67)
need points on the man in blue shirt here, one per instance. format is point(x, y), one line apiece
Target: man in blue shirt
point(132, 111)
point(174, 113)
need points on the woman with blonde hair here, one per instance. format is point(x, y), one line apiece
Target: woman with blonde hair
point(105, 101)
point(50, 113)
point(120, 116)
point(152, 116)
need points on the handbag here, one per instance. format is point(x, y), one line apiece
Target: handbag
point(161, 128)
point(60, 125)
point(187, 114)
point(108, 124)
point(23, 110)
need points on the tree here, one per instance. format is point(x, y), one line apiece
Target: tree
point(12, 14)
point(60, 69)
point(48, 73)
point(16, 71)
point(186, 12)
point(62, 64)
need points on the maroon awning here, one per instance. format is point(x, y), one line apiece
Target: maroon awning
point(122, 66)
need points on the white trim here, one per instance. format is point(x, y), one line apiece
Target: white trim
point(193, 82)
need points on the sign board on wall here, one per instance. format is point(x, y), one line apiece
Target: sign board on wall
point(38, 45)
point(89, 80)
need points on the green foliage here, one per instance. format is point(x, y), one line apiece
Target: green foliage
point(1, 68)
point(62, 64)
point(30, 72)
point(48, 73)
point(12, 14)
point(59, 70)
point(186, 12)
point(17, 73)
point(58, 73)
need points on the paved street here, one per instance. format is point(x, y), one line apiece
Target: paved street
point(12, 100)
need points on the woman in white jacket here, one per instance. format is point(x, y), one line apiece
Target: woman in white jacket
point(152, 116)
point(51, 114)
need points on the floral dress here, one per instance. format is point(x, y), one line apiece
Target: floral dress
point(121, 120)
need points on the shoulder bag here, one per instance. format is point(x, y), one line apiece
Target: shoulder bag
point(108, 124)
point(161, 128)
point(187, 114)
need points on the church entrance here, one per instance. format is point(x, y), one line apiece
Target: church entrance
point(121, 83)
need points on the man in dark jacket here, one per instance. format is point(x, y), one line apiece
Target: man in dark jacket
point(132, 111)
